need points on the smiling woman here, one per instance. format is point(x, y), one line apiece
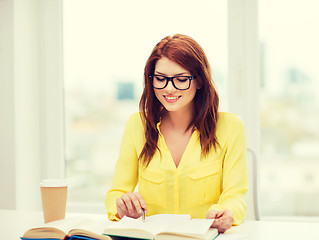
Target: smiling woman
point(179, 142)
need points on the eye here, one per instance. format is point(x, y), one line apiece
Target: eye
point(182, 79)
point(160, 78)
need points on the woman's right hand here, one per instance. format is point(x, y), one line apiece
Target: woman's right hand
point(130, 204)
point(223, 219)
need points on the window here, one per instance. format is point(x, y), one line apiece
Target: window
point(106, 45)
point(289, 107)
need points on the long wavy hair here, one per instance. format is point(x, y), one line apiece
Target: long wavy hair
point(186, 52)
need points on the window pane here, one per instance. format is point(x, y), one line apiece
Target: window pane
point(289, 107)
point(106, 45)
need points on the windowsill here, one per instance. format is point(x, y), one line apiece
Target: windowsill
point(99, 208)
point(86, 208)
point(290, 218)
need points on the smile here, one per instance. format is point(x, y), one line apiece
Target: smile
point(171, 99)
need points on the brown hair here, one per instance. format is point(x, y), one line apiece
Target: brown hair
point(186, 52)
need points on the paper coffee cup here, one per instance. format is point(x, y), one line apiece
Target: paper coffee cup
point(54, 194)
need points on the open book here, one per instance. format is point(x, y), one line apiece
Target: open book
point(163, 227)
point(69, 228)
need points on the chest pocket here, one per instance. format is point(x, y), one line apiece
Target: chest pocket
point(203, 184)
point(152, 186)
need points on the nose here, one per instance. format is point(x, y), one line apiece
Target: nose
point(170, 87)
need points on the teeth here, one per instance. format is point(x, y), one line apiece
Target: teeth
point(171, 98)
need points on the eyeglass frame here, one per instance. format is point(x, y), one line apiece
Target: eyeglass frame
point(171, 79)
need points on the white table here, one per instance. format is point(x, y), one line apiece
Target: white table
point(14, 223)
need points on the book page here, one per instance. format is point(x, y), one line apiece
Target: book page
point(94, 229)
point(67, 224)
point(153, 224)
point(56, 229)
point(169, 218)
point(194, 226)
point(127, 223)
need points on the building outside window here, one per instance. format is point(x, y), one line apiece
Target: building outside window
point(289, 108)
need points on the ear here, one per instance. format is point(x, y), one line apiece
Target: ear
point(198, 83)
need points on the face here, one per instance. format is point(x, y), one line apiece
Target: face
point(171, 98)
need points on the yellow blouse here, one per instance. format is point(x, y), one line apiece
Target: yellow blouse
point(217, 181)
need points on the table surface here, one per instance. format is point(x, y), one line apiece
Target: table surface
point(14, 223)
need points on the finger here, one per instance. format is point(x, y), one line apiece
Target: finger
point(227, 223)
point(228, 212)
point(227, 217)
point(221, 227)
point(121, 205)
point(216, 223)
point(121, 208)
point(141, 200)
point(224, 215)
point(225, 226)
point(220, 214)
point(135, 202)
point(223, 223)
point(225, 220)
point(211, 214)
point(128, 203)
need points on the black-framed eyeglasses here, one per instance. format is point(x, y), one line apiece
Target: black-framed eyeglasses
point(179, 82)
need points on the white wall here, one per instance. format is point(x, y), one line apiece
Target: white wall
point(51, 89)
point(27, 102)
point(7, 146)
point(31, 73)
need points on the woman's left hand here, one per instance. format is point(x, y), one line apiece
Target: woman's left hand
point(223, 219)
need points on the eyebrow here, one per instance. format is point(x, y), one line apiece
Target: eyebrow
point(178, 74)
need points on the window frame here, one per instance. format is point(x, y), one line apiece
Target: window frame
point(243, 72)
point(33, 100)
point(52, 89)
point(243, 84)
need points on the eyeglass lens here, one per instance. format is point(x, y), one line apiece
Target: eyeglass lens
point(180, 82)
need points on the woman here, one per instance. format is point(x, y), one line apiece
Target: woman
point(185, 156)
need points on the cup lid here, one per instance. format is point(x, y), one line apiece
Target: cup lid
point(53, 183)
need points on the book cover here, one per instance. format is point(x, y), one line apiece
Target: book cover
point(69, 228)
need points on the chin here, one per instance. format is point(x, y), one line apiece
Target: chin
point(172, 108)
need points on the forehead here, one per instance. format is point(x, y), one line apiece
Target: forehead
point(168, 67)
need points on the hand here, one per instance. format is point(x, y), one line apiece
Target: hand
point(223, 219)
point(130, 204)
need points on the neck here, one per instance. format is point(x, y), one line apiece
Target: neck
point(180, 119)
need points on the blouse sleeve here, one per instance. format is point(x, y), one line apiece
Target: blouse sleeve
point(235, 178)
point(125, 175)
